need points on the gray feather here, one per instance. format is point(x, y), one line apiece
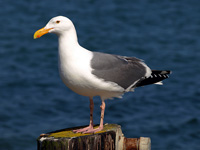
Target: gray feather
point(119, 69)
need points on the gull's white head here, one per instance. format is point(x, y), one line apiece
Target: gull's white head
point(57, 25)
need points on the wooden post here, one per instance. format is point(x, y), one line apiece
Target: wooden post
point(110, 138)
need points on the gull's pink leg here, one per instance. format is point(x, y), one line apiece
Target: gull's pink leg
point(92, 130)
point(91, 119)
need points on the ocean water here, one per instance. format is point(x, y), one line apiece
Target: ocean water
point(166, 34)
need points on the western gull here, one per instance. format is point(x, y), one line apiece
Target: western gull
point(96, 74)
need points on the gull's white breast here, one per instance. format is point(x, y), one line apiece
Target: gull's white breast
point(76, 72)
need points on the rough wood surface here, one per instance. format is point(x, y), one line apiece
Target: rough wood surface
point(142, 143)
point(110, 138)
point(145, 143)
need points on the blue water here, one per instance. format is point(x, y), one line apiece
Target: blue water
point(166, 34)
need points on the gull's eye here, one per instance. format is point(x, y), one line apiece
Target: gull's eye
point(57, 21)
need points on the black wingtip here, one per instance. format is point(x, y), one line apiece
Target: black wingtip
point(156, 76)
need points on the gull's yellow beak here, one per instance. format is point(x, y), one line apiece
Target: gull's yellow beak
point(41, 32)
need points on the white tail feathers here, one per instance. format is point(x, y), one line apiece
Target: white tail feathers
point(159, 83)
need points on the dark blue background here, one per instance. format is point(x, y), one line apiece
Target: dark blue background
point(166, 34)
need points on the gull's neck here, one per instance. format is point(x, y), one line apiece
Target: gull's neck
point(68, 39)
point(69, 48)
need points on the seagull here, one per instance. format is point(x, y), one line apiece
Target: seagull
point(93, 74)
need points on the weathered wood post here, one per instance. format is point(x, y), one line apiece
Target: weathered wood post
point(110, 138)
